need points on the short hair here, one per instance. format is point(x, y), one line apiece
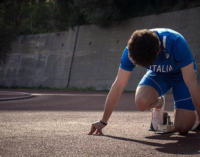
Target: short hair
point(143, 47)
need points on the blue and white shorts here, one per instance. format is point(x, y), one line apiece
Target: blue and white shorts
point(181, 94)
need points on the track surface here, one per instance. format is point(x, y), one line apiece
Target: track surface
point(56, 123)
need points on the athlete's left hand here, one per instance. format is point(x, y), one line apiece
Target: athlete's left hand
point(96, 126)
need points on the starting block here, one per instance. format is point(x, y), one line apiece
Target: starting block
point(167, 126)
point(163, 129)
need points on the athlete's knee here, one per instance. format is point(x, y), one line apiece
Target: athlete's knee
point(182, 129)
point(141, 104)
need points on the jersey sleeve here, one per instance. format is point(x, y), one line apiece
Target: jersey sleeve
point(126, 64)
point(182, 53)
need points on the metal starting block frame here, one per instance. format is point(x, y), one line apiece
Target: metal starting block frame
point(167, 126)
point(163, 129)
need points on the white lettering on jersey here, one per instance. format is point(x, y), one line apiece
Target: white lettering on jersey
point(158, 69)
point(167, 68)
point(154, 67)
point(170, 68)
point(161, 68)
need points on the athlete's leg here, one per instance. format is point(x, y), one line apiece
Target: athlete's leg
point(149, 90)
point(147, 97)
point(184, 113)
point(184, 120)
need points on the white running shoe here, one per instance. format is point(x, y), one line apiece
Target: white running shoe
point(196, 124)
point(157, 116)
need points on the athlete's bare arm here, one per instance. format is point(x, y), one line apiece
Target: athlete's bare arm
point(192, 84)
point(112, 99)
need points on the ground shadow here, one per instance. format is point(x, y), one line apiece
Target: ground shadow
point(181, 144)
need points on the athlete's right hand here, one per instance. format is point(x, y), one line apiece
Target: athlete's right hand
point(97, 126)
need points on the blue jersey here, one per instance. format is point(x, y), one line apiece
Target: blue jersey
point(175, 54)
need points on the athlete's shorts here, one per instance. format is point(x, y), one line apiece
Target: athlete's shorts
point(181, 94)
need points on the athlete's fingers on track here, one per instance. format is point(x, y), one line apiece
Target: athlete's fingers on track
point(100, 132)
point(92, 130)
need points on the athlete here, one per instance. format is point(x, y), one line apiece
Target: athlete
point(170, 64)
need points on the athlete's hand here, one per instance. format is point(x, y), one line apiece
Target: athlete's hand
point(97, 126)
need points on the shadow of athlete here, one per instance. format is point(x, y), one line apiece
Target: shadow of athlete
point(187, 144)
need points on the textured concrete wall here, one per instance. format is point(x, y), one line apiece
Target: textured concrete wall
point(45, 60)
point(39, 60)
point(97, 57)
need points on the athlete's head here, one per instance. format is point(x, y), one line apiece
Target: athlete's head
point(143, 47)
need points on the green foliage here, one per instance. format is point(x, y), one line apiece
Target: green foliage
point(97, 11)
point(41, 16)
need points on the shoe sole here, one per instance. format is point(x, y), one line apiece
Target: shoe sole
point(165, 121)
point(197, 128)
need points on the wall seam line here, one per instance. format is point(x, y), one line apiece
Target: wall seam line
point(70, 70)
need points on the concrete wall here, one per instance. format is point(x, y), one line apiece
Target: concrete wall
point(45, 60)
point(39, 60)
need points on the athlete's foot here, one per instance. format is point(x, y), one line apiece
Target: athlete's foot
point(196, 124)
point(157, 115)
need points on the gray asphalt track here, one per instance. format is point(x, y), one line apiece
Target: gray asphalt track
point(56, 123)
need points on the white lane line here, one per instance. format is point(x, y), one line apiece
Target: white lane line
point(37, 94)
